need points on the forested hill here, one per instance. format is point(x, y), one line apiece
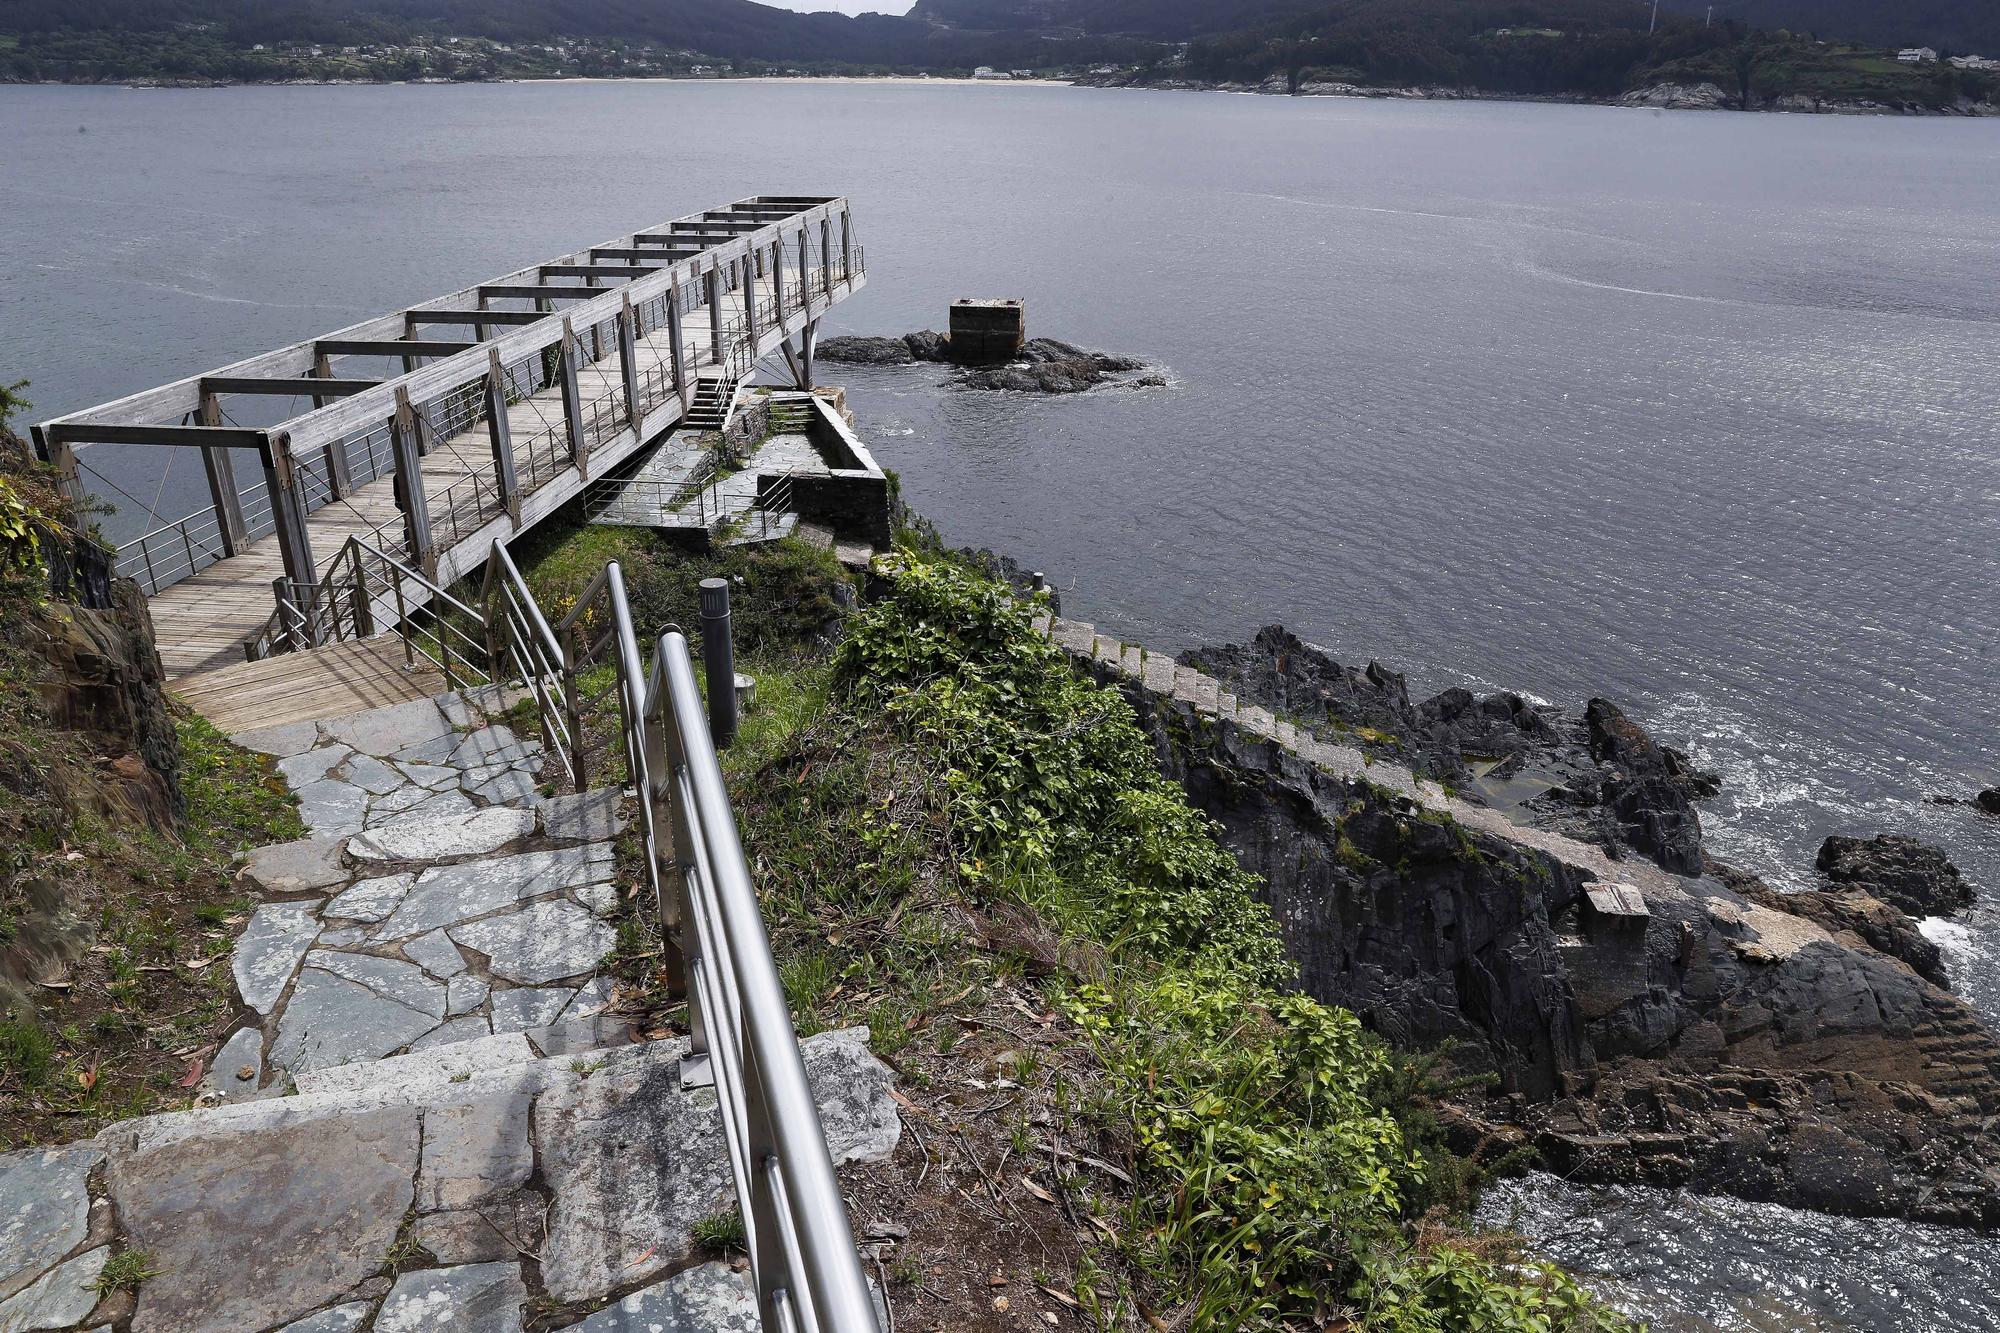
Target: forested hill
point(1955, 25)
point(1576, 48)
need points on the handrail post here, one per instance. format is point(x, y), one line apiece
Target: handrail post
point(718, 656)
point(500, 435)
point(572, 402)
point(628, 359)
point(683, 386)
point(573, 707)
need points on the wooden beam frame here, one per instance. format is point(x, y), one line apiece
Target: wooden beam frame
point(594, 271)
point(197, 437)
point(572, 401)
point(404, 347)
point(530, 291)
point(279, 387)
point(439, 315)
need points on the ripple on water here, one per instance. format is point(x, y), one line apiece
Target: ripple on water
point(1694, 1263)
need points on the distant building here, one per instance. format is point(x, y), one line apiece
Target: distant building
point(988, 72)
point(1975, 62)
point(1917, 55)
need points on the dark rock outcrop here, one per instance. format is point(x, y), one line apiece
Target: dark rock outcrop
point(1006, 569)
point(1598, 777)
point(1042, 365)
point(1988, 800)
point(1640, 1024)
point(1901, 871)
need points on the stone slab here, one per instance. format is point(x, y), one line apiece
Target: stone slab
point(63, 1296)
point(332, 1020)
point(446, 895)
point(585, 816)
point(370, 774)
point(436, 954)
point(464, 993)
point(250, 1230)
point(411, 1074)
point(388, 731)
point(297, 867)
point(634, 1160)
point(711, 1298)
point(471, 1298)
point(469, 1027)
point(420, 837)
point(330, 806)
point(336, 1319)
point(226, 1080)
point(269, 950)
point(527, 1007)
point(44, 1210)
point(475, 1150)
point(371, 899)
point(543, 942)
point(391, 978)
point(313, 765)
point(287, 738)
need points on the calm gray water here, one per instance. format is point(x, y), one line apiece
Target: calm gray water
point(1694, 411)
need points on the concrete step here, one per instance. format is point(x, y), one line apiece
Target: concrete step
point(410, 1193)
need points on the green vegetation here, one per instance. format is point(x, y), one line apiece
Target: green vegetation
point(119, 911)
point(944, 814)
point(720, 1233)
point(126, 1269)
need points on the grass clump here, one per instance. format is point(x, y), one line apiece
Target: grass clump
point(719, 1233)
point(1278, 1186)
point(126, 1270)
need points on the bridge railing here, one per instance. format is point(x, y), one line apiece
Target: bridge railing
point(646, 725)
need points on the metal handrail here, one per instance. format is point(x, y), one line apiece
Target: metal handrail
point(741, 1037)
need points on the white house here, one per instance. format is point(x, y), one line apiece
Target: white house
point(988, 72)
point(1917, 55)
point(1975, 62)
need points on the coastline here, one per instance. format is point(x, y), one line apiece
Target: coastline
point(1656, 97)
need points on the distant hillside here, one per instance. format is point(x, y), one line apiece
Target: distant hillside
point(1959, 27)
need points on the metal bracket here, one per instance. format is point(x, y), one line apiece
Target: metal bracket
point(697, 1071)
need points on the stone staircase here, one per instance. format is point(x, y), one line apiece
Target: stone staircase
point(709, 408)
point(430, 1114)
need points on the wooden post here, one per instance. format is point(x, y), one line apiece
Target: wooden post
point(628, 358)
point(222, 490)
point(682, 385)
point(339, 470)
point(409, 331)
point(778, 279)
point(805, 274)
point(572, 401)
point(808, 344)
point(410, 497)
point(713, 291)
point(288, 512)
point(69, 479)
point(499, 433)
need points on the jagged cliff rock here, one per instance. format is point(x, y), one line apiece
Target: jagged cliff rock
point(1641, 1024)
point(1900, 871)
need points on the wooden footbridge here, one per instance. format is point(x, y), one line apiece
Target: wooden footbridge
point(433, 432)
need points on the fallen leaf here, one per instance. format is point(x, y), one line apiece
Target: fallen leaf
point(903, 1101)
point(1029, 1185)
point(1063, 1297)
point(193, 1075)
point(87, 1078)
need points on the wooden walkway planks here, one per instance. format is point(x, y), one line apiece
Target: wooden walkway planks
point(324, 682)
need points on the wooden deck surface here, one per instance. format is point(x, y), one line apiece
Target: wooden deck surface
point(203, 620)
point(333, 681)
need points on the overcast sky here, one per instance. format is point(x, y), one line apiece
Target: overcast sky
point(844, 6)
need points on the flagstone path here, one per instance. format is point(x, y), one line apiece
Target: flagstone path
point(430, 1115)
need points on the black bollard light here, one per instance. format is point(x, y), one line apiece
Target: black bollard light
point(718, 659)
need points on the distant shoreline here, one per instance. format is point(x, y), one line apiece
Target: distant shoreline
point(1666, 97)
